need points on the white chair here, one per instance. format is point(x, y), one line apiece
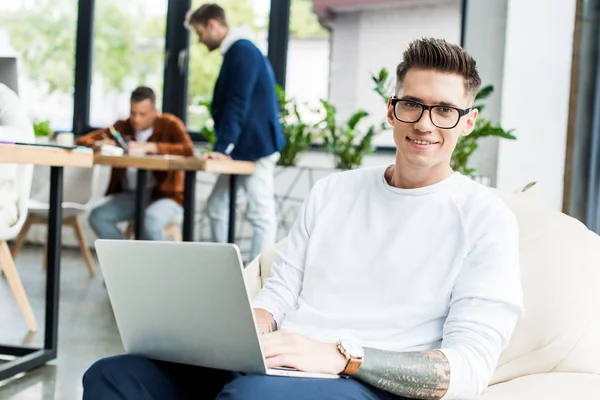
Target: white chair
point(25, 176)
point(82, 187)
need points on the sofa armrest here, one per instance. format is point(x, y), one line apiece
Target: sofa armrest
point(259, 269)
point(252, 277)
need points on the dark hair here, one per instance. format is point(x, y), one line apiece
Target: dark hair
point(439, 55)
point(205, 13)
point(142, 93)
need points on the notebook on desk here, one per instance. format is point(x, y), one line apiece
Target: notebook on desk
point(58, 146)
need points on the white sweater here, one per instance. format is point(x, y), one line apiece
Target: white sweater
point(15, 126)
point(404, 270)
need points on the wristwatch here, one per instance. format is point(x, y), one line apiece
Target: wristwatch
point(353, 353)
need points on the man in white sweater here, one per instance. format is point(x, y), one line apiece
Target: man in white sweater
point(15, 126)
point(404, 278)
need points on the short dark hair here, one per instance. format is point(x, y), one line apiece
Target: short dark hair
point(142, 93)
point(205, 13)
point(439, 55)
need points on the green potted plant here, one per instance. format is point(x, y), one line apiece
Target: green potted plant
point(345, 141)
point(298, 135)
point(207, 125)
point(467, 145)
point(385, 85)
point(42, 130)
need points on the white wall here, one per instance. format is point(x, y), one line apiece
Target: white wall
point(535, 98)
point(307, 79)
point(365, 41)
point(345, 52)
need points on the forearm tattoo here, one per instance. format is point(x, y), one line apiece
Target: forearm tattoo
point(416, 375)
point(272, 327)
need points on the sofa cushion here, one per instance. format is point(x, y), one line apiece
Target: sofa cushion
point(560, 269)
point(552, 386)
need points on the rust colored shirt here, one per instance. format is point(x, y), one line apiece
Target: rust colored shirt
point(170, 136)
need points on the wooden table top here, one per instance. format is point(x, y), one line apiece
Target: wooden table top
point(179, 163)
point(51, 156)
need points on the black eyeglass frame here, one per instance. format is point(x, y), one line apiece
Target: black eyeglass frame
point(461, 111)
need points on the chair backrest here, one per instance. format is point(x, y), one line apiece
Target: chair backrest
point(24, 178)
point(80, 185)
point(100, 180)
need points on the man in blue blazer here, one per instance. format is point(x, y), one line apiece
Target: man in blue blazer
point(245, 111)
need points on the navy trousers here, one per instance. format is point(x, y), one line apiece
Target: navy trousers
point(134, 377)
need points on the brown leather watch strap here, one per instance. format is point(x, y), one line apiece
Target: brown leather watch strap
point(352, 367)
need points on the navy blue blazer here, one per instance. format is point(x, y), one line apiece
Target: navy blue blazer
point(244, 108)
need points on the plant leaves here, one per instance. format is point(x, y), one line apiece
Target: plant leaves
point(484, 92)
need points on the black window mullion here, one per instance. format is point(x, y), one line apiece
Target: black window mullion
point(279, 33)
point(175, 86)
point(83, 66)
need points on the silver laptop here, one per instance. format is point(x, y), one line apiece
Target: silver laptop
point(185, 302)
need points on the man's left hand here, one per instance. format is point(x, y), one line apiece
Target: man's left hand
point(287, 349)
point(142, 148)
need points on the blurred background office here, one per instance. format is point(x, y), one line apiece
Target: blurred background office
point(77, 61)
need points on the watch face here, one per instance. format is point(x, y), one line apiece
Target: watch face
point(354, 350)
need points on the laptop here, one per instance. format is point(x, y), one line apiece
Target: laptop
point(185, 302)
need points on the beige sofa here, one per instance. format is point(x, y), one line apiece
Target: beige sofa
point(555, 350)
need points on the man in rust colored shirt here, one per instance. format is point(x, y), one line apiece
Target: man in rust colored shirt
point(148, 132)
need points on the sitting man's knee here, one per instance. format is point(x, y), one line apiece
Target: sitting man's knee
point(247, 386)
point(264, 387)
point(110, 368)
point(154, 226)
point(254, 387)
point(152, 220)
point(94, 216)
point(99, 215)
point(213, 208)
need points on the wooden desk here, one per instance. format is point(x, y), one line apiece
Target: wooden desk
point(29, 357)
point(50, 156)
point(179, 163)
point(169, 163)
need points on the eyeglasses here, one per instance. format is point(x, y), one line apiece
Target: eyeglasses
point(444, 117)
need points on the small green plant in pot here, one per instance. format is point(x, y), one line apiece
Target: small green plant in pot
point(346, 141)
point(297, 134)
point(42, 129)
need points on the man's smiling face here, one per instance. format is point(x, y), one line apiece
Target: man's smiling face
point(421, 144)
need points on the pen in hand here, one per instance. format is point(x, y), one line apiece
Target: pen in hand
point(118, 137)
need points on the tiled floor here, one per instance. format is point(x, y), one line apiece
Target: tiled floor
point(87, 329)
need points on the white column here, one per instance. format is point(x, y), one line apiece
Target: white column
point(535, 95)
